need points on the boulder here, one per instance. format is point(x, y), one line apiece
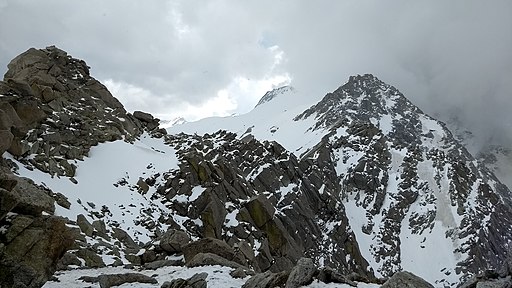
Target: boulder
point(31, 257)
point(6, 138)
point(204, 259)
point(302, 274)
point(406, 279)
point(91, 258)
point(267, 280)
point(213, 246)
point(143, 116)
point(110, 280)
point(31, 199)
point(240, 273)
point(162, 263)
point(196, 281)
point(125, 238)
point(329, 275)
point(67, 260)
point(173, 240)
point(84, 225)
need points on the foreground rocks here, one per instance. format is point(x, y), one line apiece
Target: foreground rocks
point(31, 243)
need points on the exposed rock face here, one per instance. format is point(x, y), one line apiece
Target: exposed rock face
point(31, 248)
point(173, 240)
point(31, 243)
point(259, 209)
point(51, 108)
point(302, 274)
point(274, 93)
point(398, 165)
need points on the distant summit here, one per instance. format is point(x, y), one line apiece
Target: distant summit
point(274, 93)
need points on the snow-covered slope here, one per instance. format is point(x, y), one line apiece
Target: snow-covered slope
point(272, 119)
point(415, 198)
point(107, 184)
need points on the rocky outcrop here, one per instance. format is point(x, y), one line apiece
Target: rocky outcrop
point(500, 278)
point(256, 210)
point(30, 249)
point(52, 109)
point(173, 240)
point(302, 274)
point(31, 240)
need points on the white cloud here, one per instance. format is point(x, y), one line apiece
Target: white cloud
point(449, 57)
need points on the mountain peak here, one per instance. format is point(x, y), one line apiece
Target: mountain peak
point(274, 93)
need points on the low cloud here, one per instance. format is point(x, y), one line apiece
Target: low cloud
point(451, 58)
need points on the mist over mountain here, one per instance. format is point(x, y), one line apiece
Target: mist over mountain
point(352, 188)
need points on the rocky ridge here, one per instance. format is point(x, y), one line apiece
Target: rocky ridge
point(404, 164)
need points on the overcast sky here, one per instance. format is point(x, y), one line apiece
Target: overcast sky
point(202, 58)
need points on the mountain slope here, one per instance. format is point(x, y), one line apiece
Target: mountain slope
point(410, 190)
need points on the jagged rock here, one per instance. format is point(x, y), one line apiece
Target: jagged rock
point(6, 138)
point(196, 281)
point(406, 279)
point(110, 280)
point(241, 273)
point(62, 200)
point(213, 246)
point(162, 263)
point(31, 257)
point(267, 280)
point(92, 260)
point(301, 274)
point(203, 259)
point(496, 283)
point(148, 119)
point(30, 199)
point(329, 275)
point(18, 224)
point(67, 260)
point(148, 256)
point(100, 229)
point(84, 225)
point(134, 259)
point(173, 240)
point(126, 239)
point(142, 186)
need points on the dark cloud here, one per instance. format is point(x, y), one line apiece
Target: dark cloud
point(451, 58)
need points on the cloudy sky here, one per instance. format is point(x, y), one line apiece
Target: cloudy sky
point(202, 58)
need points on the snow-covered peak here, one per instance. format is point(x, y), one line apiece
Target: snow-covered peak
point(172, 122)
point(275, 93)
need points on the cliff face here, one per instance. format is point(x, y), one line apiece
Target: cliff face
point(360, 182)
